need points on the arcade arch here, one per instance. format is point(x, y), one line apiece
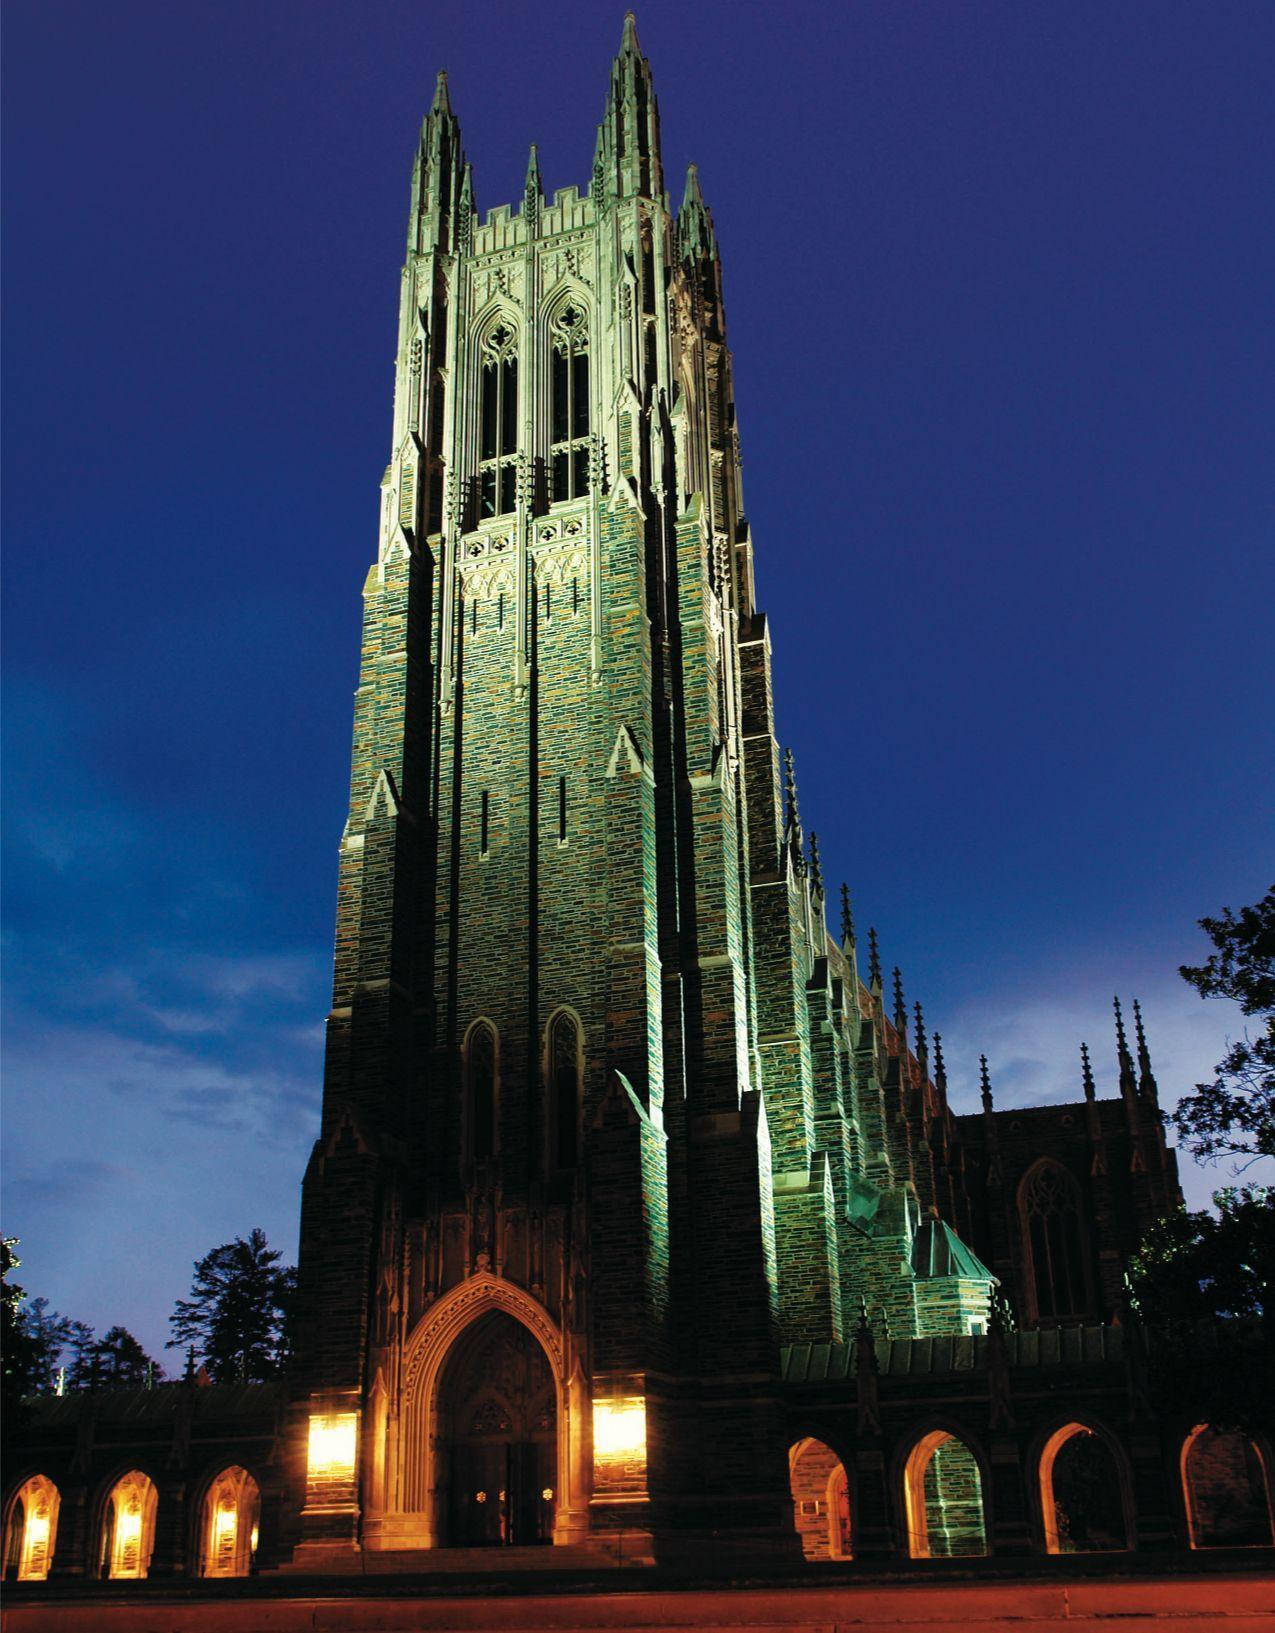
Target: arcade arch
point(943, 1499)
point(820, 1500)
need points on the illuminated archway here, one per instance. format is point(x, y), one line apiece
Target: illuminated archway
point(943, 1499)
point(128, 1526)
point(229, 1524)
point(1083, 1493)
point(31, 1533)
point(820, 1500)
point(1226, 1489)
point(421, 1482)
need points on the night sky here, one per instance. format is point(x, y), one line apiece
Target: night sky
point(998, 282)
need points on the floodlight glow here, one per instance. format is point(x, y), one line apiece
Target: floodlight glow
point(333, 1438)
point(619, 1428)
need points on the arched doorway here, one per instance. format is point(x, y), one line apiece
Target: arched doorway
point(498, 1429)
point(820, 1500)
point(1081, 1494)
point(943, 1498)
point(1224, 1483)
point(32, 1530)
point(128, 1526)
point(232, 1513)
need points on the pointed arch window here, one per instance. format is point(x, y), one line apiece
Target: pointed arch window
point(569, 404)
point(564, 1090)
point(498, 423)
point(1050, 1212)
point(481, 1092)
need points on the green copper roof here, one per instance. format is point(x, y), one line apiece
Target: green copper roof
point(938, 1251)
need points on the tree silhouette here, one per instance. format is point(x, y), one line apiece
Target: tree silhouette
point(1234, 1116)
point(236, 1316)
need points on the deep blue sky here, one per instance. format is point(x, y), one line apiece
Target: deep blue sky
point(999, 287)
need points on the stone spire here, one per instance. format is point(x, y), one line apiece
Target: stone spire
point(874, 962)
point(940, 1067)
point(1086, 1073)
point(437, 176)
point(922, 1049)
point(1146, 1079)
point(900, 1012)
point(816, 867)
point(695, 235)
point(631, 124)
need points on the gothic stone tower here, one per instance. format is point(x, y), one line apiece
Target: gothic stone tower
point(608, 1116)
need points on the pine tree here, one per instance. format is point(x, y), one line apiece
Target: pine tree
point(236, 1317)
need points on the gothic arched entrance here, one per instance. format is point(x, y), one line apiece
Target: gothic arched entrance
point(498, 1434)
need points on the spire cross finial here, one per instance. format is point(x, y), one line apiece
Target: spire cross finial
point(847, 917)
point(1086, 1072)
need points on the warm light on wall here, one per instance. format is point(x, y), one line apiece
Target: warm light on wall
point(129, 1527)
point(333, 1438)
point(619, 1429)
point(37, 1530)
point(227, 1522)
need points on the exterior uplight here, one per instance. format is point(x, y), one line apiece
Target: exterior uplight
point(619, 1429)
point(333, 1439)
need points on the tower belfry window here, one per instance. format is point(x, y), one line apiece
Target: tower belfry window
point(498, 424)
point(569, 406)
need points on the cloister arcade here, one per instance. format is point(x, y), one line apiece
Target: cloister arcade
point(1080, 1486)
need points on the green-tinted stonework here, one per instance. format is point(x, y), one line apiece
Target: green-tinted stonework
point(567, 796)
point(602, 1091)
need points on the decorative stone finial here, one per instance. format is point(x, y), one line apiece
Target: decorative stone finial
point(874, 961)
point(847, 918)
point(1086, 1073)
point(940, 1067)
point(985, 1082)
point(816, 869)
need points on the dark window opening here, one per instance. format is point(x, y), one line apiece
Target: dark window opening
point(562, 810)
point(483, 832)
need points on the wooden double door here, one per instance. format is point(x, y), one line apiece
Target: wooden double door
point(498, 1410)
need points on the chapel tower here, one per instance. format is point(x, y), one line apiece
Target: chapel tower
point(608, 1115)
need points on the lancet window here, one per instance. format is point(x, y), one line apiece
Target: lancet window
point(569, 405)
point(564, 1089)
point(498, 423)
point(481, 1095)
point(1049, 1207)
